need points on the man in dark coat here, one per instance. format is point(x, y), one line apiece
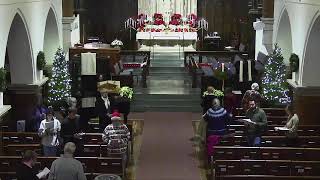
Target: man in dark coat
point(103, 109)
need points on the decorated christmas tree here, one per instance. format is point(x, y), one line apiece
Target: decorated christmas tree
point(274, 84)
point(59, 85)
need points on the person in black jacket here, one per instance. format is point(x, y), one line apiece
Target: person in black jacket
point(26, 170)
point(103, 109)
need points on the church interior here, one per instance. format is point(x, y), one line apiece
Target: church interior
point(159, 89)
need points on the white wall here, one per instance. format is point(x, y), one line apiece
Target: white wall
point(34, 14)
point(302, 15)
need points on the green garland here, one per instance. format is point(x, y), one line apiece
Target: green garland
point(219, 74)
point(294, 62)
point(41, 60)
point(3, 83)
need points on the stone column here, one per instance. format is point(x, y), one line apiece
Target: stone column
point(67, 30)
point(267, 33)
point(24, 99)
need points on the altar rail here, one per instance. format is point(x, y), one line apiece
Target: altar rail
point(130, 64)
point(215, 54)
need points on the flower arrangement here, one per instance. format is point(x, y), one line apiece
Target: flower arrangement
point(126, 91)
point(294, 62)
point(116, 43)
point(41, 61)
point(216, 93)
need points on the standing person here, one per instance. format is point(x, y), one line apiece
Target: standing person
point(66, 167)
point(26, 170)
point(116, 135)
point(217, 118)
point(49, 132)
point(259, 125)
point(102, 109)
point(230, 101)
point(252, 94)
point(207, 98)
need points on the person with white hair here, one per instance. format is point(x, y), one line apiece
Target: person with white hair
point(252, 94)
point(66, 167)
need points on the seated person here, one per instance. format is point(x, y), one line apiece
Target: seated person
point(217, 118)
point(26, 170)
point(292, 125)
point(116, 135)
point(66, 167)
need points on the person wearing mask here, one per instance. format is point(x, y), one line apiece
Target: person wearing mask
point(66, 167)
point(258, 124)
point(102, 109)
point(49, 131)
point(26, 170)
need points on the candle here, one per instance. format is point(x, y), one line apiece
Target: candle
point(222, 67)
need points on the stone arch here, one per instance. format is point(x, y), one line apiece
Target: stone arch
point(19, 50)
point(51, 40)
point(284, 36)
point(311, 62)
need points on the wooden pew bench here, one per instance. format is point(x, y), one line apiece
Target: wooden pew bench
point(93, 166)
point(266, 167)
point(266, 153)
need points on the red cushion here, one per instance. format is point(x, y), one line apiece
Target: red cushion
point(131, 65)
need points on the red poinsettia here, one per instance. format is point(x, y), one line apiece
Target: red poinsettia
point(175, 22)
point(158, 22)
point(158, 16)
point(176, 16)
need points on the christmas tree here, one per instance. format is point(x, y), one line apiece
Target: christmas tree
point(59, 85)
point(274, 84)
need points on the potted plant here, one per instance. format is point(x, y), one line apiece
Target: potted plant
point(3, 84)
point(117, 44)
point(41, 63)
point(294, 65)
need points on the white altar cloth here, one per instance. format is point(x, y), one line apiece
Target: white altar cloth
point(167, 35)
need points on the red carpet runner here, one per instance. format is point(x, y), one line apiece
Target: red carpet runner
point(166, 152)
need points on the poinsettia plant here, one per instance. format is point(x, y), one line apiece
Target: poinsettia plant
point(215, 92)
point(126, 92)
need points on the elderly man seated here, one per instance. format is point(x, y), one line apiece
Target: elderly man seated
point(116, 135)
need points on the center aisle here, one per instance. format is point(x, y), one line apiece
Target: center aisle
point(166, 152)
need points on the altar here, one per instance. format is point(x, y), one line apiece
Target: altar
point(167, 38)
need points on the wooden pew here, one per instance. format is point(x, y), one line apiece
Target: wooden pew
point(266, 153)
point(266, 167)
point(93, 166)
point(268, 111)
point(18, 149)
point(20, 137)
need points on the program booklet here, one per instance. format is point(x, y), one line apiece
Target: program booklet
point(43, 173)
point(49, 125)
point(281, 128)
point(246, 121)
